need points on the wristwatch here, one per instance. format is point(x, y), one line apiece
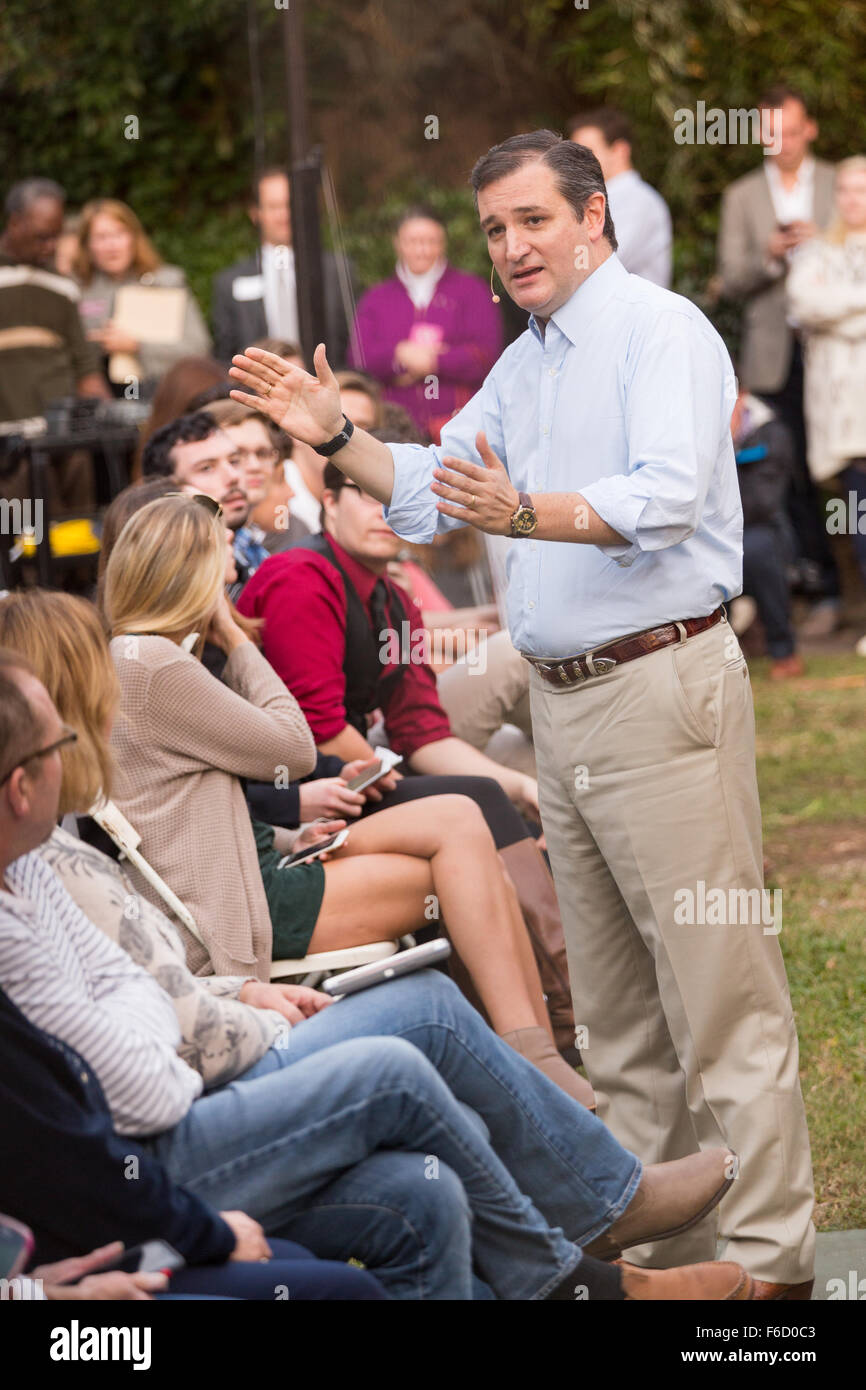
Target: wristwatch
point(525, 519)
point(326, 450)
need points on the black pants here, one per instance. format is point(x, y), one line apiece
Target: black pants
point(804, 502)
point(765, 579)
point(506, 824)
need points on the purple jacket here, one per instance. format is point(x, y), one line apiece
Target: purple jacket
point(471, 326)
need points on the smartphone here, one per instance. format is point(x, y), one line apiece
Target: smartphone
point(403, 963)
point(16, 1247)
point(149, 1258)
point(303, 856)
point(385, 761)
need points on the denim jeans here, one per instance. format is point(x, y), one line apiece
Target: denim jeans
point(352, 1142)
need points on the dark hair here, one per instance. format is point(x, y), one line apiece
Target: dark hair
point(271, 171)
point(156, 459)
point(613, 124)
point(24, 194)
point(577, 171)
point(418, 210)
point(398, 426)
point(20, 729)
point(778, 93)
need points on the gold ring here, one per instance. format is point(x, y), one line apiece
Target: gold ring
point(270, 389)
point(473, 500)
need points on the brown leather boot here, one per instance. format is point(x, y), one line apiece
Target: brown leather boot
point(536, 1045)
point(721, 1281)
point(671, 1198)
point(537, 897)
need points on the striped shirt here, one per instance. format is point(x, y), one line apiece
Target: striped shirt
point(71, 981)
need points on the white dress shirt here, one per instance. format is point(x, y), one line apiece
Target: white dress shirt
point(795, 204)
point(281, 292)
point(642, 224)
point(304, 504)
point(626, 400)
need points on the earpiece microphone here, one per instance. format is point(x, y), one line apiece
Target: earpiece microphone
point(492, 290)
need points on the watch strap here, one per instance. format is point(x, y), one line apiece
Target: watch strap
point(338, 441)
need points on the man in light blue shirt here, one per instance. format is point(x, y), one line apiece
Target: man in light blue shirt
point(600, 441)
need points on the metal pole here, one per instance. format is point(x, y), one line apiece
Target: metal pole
point(304, 179)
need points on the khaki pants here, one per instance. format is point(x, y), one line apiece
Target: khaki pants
point(647, 785)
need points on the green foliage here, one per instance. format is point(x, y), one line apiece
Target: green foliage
point(70, 75)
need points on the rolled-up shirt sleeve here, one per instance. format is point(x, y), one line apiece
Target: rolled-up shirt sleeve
point(676, 395)
point(412, 512)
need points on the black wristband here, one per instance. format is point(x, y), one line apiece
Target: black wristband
point(338, 441)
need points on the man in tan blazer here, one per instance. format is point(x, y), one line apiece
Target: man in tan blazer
point(766, 215)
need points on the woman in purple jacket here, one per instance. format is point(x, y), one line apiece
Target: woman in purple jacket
point(431, 334)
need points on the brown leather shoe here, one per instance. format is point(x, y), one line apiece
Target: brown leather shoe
point(720, 1281)
point(778, 1293)
point(787, 668)
point(671, 1198)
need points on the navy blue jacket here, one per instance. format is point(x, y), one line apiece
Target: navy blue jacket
point(68, 1176)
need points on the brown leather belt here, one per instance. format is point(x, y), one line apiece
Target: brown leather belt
point(572, 670)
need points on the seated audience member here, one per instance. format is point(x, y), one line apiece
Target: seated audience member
point(345, 1133)
point(258, 295)
point(763, 450)
point(259, 458)
point(640, 214)
point(65, 1172)
point(200, 456)
point(184, 741)
point(347, 641)
point(44, 355)
point(114, 251)
point(429, 326)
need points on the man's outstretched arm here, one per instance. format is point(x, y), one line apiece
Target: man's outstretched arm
point(308, 408)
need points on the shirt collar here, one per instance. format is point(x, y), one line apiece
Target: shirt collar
point(362, 578)
point(572, 317)
point(621, 179)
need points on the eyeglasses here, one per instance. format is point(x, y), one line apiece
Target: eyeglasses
point(209, 503)
point(69, 736)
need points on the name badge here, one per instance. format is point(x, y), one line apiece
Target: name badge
point(247, 287)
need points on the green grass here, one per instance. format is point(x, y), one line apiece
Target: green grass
point(812, 773)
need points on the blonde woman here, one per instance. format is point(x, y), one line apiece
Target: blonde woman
point(827, 300)
point(113, 251)
point(184, 741)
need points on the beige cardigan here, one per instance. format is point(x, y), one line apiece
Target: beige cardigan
point(827, 300)
point(181, 741)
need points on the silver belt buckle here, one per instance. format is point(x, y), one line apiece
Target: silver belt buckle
point(600, 665)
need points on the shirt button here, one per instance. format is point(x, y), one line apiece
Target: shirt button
point(530, 604)
point(546, 430)
point(84, 1076)
point(533, 545)
point(552, 371)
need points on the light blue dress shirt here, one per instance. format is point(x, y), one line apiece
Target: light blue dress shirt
point(627, 400)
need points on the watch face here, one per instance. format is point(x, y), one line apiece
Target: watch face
point(524, 521)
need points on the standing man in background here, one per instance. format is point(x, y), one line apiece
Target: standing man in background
point(258, 296)
point(766, 215)
point(601, 443)
point(640, 214)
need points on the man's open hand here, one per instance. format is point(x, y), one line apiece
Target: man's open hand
point(480, 494)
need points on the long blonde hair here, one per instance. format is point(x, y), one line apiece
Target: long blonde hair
point(145, 256)
point(62, 637)
point(166, 571)
point(837, 232)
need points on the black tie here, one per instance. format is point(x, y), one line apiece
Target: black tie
point(379, 609)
